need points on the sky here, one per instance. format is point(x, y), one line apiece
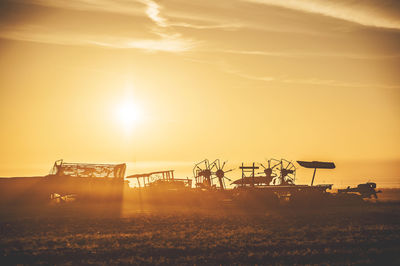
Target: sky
point(164, 84)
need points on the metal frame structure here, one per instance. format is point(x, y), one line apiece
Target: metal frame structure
point(248, 169)
point(87, 170)
point(287, 174)
point(202, 174)
point(164, 176)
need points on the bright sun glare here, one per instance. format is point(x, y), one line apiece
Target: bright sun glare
point(128, 114)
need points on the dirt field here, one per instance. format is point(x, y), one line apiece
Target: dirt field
point(347, 235)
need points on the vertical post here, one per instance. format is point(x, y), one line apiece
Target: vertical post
point(242, 175)
point(252, 176)
point(312, 181)
point(221, 184)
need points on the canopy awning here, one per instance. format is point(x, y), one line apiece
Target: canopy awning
point(316, 164)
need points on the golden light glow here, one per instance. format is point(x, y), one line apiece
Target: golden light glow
point(128, 114)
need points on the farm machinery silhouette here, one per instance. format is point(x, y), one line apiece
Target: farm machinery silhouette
point(100, 182)
point(205, 172)
point(271, 183)
point(275, 184)
point(162, 180)
point(366, 190)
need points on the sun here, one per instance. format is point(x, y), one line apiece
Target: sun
point(128, 114)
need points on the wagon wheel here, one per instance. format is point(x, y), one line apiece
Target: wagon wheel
point(220, 172)
point(272, 169)
point(288, 172)
point(202, 173)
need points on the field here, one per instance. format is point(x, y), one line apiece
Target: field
point(368, 234)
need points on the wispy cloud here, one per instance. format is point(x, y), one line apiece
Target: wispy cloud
point(32, 33)
point(165, 38)
point(313, 81)
point(109, 6)
point(247, 76)
point(153, 12)
point(225, 26)
point(312, 54)
point(169, 41)
point(336, 83)
point(380, 14)
point(225, 67)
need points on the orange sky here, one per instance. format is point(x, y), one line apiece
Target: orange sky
point(168, 83)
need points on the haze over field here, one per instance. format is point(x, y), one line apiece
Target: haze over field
point(162, 84)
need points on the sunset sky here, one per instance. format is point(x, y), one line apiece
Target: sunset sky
point(161, 84)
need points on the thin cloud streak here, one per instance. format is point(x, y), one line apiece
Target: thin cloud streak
point(305, 55)
point(246, 76)
point(169, 44)
point(227, 68)
point(227, 26)
point(30, 33)
point(109, 6)
point(307, 81)
point(335, 83)
point(366, 13)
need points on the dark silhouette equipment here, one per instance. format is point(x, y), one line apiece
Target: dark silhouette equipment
point(246, 178)
point(220, 173)
point(205, 172)
point(62, 168)
point(202, 174)
point(275, 184)
point(364, 190)
point(278, 172)
point(316, 165)
point(161, 179)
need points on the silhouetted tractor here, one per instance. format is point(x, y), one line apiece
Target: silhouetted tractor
point(366, 190)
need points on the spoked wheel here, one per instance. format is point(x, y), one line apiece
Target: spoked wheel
point(287, 174)
point(271, 171)
point(220, 173)
point(202, 174)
